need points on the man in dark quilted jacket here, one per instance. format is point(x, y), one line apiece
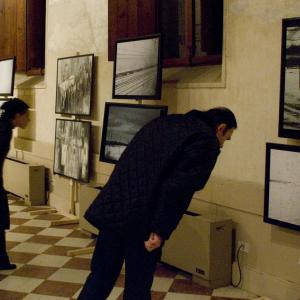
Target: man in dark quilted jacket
point(147, 194)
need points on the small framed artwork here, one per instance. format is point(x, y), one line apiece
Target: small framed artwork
point(121, 123)
point(74, 84)
point(72, 147)
point(7, 76)
point(282, 186)
point(289, 110)
point(137, 68)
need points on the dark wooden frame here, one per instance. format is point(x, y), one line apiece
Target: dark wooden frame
point(127, 19)
point(91, 89)
point(89, 150)
point(12, 77)
point(163, 111)
point(267, 219)
point(157, 94)
point(284, 132)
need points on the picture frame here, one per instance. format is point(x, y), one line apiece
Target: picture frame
point(289, 108)
point(121, 123)
point(74, 83)
point(137, 68)
point(72, 148)
point(282, 186)
point(7, 76)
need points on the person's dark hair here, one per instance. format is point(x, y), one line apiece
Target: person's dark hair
point(12, 107)
point(216, 116)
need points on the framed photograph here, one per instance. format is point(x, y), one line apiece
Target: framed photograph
point(282, 186)
point(137, 68)
point(72, 147)
point(7, 76)
point(121, 123)
point(289, 111)
point(74, 84)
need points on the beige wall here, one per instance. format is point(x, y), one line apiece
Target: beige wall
point(248, 83)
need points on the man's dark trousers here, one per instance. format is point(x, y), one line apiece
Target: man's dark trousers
point(3, 254)
point(111, 250)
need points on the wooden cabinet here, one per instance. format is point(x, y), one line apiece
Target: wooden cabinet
point(192, 30)
point(129, 18)
point(22, 33)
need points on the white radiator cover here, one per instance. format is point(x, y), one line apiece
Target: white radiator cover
point(25, 180)
point(201, 245)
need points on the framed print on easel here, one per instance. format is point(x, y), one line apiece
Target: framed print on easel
point(74, 84)
point(282, 186)
point(71, 150)
point(137, 68)
point(289, 110)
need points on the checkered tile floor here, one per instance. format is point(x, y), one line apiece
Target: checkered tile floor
point(45, 272)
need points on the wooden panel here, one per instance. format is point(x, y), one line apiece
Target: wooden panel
point(21, 35)
point(112, 27)
point(8, 28)
point(19, 30)
point(117, 24)
point(147, 22)
point(129, 18)
point(36, 16)
point(212, 26)
point(2, 22)
point(132, 19)
point(183, 34)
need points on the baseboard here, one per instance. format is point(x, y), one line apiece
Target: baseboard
point(269, 286)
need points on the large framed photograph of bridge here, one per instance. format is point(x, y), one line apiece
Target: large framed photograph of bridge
point(289, 112)
point(71, 150)
point(137, 68)
point(282, 186)
point(74, 83)
point(121, 123)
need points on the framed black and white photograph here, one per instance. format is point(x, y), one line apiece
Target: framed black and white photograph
point(121, 123)
point(137, 68)
point(289, 112)
point(72, 147)
point(282, 186)
point(74, 84)
point(7, 76)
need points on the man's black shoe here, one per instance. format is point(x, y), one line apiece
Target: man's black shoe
point(7, 266)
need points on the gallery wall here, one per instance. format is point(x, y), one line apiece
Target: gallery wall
point(248, 83)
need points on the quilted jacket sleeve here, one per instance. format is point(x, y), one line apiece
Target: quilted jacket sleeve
point(190, 174)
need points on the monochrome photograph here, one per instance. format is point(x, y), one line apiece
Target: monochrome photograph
point(71, 156)
point(289, 125)
point(121, 123)
point(7, 76)
point(74, 85)
point(137, 68)
point(282, 185)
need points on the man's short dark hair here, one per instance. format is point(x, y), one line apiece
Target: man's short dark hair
point(216, 116)
point(12, 107)
point(219, 115)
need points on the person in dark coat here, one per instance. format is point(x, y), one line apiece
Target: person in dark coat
point(147, 194)
point(14, 113)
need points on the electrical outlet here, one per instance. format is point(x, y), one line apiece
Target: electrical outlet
point(245, 246)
